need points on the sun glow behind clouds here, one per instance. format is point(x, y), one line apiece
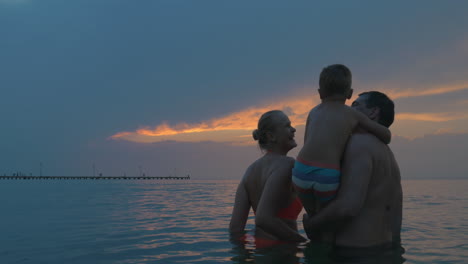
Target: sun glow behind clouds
point(237, 127)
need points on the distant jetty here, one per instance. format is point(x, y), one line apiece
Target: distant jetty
point(93, 178)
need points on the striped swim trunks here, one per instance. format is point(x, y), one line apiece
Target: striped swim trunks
point(319, 180)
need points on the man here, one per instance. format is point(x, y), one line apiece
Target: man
point(367, 211)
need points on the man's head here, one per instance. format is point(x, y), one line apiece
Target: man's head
point(377, 106)
point(335, 80)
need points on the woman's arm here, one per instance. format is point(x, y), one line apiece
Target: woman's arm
point(241, 209)
point(373, 127)
point(276, 189)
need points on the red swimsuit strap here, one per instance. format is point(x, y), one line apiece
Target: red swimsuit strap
point(292, 211)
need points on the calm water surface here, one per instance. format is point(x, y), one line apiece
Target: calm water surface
point(87, 221)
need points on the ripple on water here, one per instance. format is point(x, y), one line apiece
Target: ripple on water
point(186, 222)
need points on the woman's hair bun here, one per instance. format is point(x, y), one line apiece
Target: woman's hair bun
point(255, 134)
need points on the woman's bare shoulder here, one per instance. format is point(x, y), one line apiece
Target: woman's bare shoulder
point(253, 168)
point(284, 161)
point(282, 164)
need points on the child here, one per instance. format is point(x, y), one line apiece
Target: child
point(316, 173)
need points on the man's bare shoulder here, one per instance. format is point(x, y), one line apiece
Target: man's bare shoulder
point(366, 144)
point(362, 141)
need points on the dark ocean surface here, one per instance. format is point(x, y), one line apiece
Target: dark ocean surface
point(185, 221)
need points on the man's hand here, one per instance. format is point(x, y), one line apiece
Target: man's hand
point(305, 219)
point(312, 234)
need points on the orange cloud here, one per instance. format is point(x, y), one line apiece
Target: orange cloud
point(401, 93)
point(235, 127)
point(432, 117)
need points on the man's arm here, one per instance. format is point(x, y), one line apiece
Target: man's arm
point(356, 174)
point(398, 220)
point(276, 188)
point(399, 205)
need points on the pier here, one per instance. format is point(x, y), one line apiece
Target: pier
point(93, 178)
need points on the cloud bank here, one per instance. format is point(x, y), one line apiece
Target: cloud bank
point(236, 127)
point(233, 128)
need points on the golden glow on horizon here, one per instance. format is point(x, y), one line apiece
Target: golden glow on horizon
point(237, 127)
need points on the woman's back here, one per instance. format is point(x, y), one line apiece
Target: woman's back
point(258, 174)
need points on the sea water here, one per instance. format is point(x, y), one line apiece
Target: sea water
point(185, 221)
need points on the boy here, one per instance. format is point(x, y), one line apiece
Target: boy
point(316, 173)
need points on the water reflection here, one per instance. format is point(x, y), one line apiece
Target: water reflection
point(249, 251)
point(187, 222)
point(381, 255)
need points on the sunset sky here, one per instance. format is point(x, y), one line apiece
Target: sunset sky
point(164, 86)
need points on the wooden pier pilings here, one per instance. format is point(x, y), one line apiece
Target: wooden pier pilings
point(92, 178)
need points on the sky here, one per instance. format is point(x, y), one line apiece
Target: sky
point(176, 87)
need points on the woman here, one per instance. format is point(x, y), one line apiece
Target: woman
point(266, 185)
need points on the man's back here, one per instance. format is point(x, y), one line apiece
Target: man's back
point(379, 220)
